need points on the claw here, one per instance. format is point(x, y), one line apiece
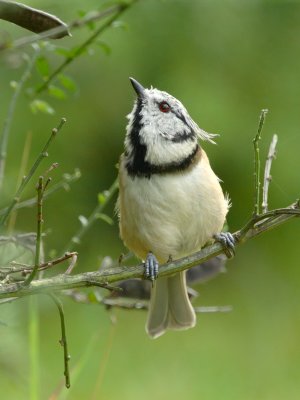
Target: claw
point(228, 242)
point(151, 267)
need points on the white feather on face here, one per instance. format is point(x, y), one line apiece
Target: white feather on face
point(169, 136)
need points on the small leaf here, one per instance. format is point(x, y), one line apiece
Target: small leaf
point(42, 66)
point(105, 218)
point(120, 24)
point(83, 220)
point(81, 13)
point(42, 106)
point(67, 82)
point(104, 46)
point(13, 84)
point(56, 92)
point(101, 198)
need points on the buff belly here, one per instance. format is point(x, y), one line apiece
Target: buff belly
point(173, 214)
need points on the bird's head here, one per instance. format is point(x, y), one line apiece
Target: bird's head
point(160, 133)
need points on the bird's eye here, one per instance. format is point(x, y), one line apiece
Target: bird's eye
point(164, 107)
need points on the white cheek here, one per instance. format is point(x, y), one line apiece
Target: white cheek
point(161, 151)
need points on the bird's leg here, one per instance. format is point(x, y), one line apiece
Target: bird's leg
point(151, 267)
point(228, 242)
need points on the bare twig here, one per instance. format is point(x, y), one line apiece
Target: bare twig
point(63, 340)
point(27, 178)
point(16, 267)
point(257, 162)
point(93, 217)
point(267, 173)
point(40, 190)
point(8, 121)
point(72, 264)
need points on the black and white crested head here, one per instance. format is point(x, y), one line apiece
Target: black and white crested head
point(161, 136)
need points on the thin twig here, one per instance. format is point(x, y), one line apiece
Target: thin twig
point(11, 110)
point(257, 162)
point(63, 341)
point(92, 218)
point(40, 190)
point(267, 173)
point(27, 178)
point(72, 264)
point(16, 267)
point(82, 48)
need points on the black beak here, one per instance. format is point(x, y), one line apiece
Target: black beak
point(139, 89)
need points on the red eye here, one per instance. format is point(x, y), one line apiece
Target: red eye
point(164, 107)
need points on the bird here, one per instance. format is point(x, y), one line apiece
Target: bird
point(170, 202)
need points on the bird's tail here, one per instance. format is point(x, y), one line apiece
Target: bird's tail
point(170, 306)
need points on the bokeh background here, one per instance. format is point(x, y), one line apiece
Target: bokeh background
point(225, 60)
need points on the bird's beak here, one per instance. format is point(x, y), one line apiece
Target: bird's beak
point(139, 89)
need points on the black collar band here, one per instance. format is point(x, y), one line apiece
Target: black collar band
point(145, 169)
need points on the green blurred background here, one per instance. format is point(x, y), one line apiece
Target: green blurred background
point(225, 60)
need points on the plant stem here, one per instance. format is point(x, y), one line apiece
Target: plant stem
point(257, 162)
point(34, 364)
point(63, 341)
point(79, 50)
point(11, 110)
point(92, 218)
point(27, 178)
point(267, 173)
point(40, 190)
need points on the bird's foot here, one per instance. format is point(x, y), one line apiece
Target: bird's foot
point(227, 241)
point(151, 267)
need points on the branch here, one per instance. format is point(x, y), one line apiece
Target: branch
point(40, 190)
point(256, 226)
point(63, 340)
point(257, 161)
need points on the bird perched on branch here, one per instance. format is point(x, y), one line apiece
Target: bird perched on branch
point(170, 201)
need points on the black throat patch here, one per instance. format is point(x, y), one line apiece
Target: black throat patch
point(136, 164)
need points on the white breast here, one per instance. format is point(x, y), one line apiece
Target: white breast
point(172, 214)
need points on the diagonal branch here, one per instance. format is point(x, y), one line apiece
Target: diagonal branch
point(104, 278)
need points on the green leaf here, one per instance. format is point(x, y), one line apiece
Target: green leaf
point(42, 66)
point(42, 106)
point(56, 92)
point(13, 84)
point(102, 197)
point(104, 46)
point(105, 218)
point(67, 82)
